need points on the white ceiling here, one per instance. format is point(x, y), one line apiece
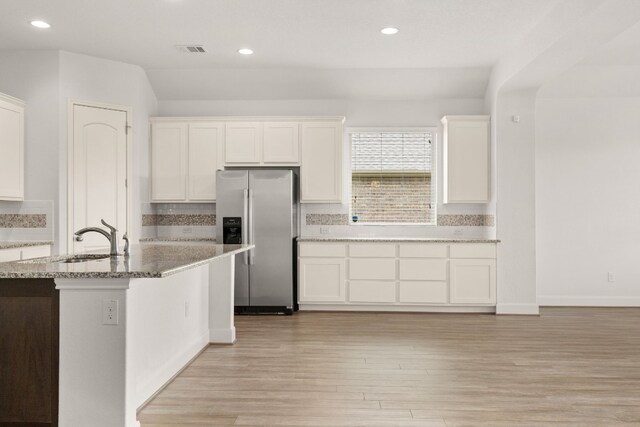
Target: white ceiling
point(283, 33)
point(621, 50)
point(304, 49)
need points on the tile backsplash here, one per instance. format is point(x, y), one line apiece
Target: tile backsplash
point(28, 220)
point(324, 220)
point(173, 220)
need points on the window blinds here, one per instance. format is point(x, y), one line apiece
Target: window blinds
point(391, 152)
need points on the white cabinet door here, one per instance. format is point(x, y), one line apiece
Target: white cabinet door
point(472, 281)
point(321, 162)
point(206, 141)
point(281, 143)
point(11, 148)
point(322, 280)
point(169, 162)
point(466, 159)
point(243, 142)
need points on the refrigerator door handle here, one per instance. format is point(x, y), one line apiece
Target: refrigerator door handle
point(245, 232)
point(251, 231)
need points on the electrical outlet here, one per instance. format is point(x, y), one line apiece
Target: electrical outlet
point(187, 230)
point(457, 232)
point(324, 230)
point(110, 312)
point(611, 277)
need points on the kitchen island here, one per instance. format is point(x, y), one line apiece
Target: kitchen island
point(120, 328)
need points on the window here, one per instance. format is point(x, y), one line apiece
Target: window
point(391, 177)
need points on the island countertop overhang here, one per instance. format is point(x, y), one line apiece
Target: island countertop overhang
point(145, 261)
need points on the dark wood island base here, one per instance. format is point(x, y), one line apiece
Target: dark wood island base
point(29, 343)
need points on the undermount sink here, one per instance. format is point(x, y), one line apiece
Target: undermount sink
point(83, 258)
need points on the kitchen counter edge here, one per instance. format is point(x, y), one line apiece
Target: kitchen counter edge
point(24, 244)
point(7, 273)
point(394, 240)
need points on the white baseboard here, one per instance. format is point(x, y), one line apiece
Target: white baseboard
point(398, 308)
point(222, 335)
point(588, 301)
point(518, 308)
point(167, 371)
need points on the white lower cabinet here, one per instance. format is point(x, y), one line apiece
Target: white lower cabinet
point(403, 276)
point(473, 281)
point(8, 255)
point(322, 280)
point(29, 252)
point(424, 292)
point(372, 291)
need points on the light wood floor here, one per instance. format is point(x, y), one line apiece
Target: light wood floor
point(568, 367)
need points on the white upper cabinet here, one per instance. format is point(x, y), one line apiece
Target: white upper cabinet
point(11, 148)
point(169, 162)
point(281, 143)
point(206, 146)
point(187, 152)
point(321, 162)
point(243, 143)
point(184, 160)
point(268, 143)
point(467, 159)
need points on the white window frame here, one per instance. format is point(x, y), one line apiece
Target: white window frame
point(434, 171)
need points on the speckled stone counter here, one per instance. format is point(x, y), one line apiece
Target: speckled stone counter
point(146, 261)
point(395, 239)
point(23, 244)
point(178, 239)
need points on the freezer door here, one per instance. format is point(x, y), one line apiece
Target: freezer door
point(232, 188)
point(271, 261)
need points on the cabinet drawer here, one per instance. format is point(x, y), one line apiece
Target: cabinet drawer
point(337, 250)
point(36, 252)
point(369, 291)
point(7, 255)
point(423, 250)
point(373, 269)
point(424, 292)
point(473, 250)
point(423, 269)
point(373, 250)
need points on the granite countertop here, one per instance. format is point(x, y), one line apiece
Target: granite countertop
point(24, 244)
point(178, 239)
point(396, 239)
point(146, 261)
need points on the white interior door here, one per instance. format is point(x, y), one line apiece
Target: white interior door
point(98, 173)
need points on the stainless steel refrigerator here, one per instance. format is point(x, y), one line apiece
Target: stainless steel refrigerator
point(260, 206)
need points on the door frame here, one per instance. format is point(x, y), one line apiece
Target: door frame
point(71, 103)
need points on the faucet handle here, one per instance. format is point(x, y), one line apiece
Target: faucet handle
point(125, 237)
point(111, 228)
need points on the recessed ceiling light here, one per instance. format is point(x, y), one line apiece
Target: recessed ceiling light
point(389, 31)
point(245, 51)
point(40, 24)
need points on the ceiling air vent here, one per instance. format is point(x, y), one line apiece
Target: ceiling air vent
point(192, 49)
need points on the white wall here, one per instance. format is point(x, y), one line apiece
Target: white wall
point(359, 113)
point(588, 199)
point(515, 168)
point(33, 76)
point(46, 80)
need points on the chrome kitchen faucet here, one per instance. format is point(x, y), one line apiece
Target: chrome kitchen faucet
point(112, 237)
